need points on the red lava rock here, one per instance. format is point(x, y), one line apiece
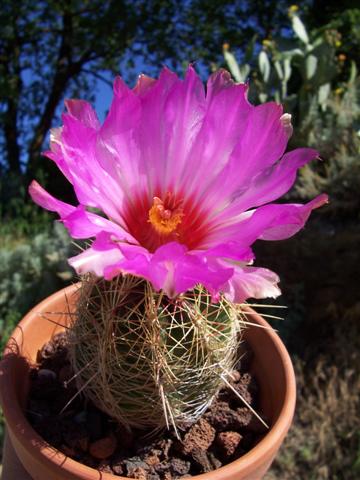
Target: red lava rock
point(244, 416)
point(135, 467)
point(54, 349)
point(139, 474)
point(103, 448)
point(222, 417)
point(165, 445)
point(215, 462)
point(152, 459)
point(118, 466)
point(88, 435)
point(84, 443)
point(105, 467)
point(228, 442)
point(199, 437)
point(179, 466)
point(88, 460)
point(202, 460)
point(243, 391)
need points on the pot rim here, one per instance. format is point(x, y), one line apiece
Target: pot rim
point(15, 417)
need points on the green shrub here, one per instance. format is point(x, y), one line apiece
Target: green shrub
point(29, 271)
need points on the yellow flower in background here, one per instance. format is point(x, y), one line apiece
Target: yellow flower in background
point(266, 42)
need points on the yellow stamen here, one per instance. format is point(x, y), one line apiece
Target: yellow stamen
point(165, 218)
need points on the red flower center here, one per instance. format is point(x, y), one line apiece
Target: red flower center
point(165, 218)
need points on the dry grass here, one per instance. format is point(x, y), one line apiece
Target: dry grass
point(324, 442)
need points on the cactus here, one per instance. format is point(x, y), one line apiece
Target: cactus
point(156, 362)
point(310, 54)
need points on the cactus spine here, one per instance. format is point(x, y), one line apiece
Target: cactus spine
point(149, 361)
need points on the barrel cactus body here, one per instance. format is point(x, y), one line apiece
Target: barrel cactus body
point(149, 361)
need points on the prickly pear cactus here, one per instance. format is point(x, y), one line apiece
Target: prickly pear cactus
point(149, 361)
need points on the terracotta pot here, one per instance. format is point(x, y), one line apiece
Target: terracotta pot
point(272, 367)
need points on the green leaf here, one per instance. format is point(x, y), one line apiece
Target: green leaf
point(279, 70)
point(353, 72)
point(323, 94)
point(264, 65)
point(287, 69)
point(299, 29)
point(311, 65)
point(233, 66)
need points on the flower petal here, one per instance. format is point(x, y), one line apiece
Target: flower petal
point(184, 271)
point(218, 137)
point(96, 261)
point(79, 222)
point(47, 201)
point(252, 141)
point(269, 222)
point(268, 184)
point(288, 221)
point(251, 282)
point(84, 112)
point(171, 268)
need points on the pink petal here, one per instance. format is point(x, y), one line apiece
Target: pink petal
point(287, 222)
point(84, 112)
point(171, 268)
point(184, 111)
point(285, 120)
point(47, 201)
point(251, 282)
point(268, 184)
point(184, 271)
point(219, 81)
point(95, 261)
point(225, 120)
point(143, 84)
point(270, 222)
point(116, 149)
point(233, 250)
point(155, 132)
point(260, 142)
point(79, 222)
point(83, 224)
point(74, 151)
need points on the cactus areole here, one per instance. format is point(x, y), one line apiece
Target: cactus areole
point(173, 188)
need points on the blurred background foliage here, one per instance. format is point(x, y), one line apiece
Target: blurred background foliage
point(306, 57)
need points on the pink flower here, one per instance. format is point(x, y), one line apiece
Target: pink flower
point(185, 180)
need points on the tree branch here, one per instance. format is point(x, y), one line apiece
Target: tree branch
point(65, 70)
point(12, 71)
